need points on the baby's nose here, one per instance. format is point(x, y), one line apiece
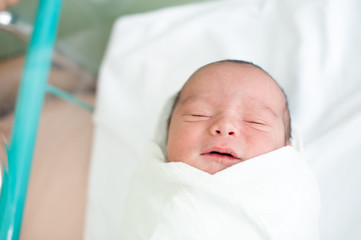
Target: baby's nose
point(224, 127)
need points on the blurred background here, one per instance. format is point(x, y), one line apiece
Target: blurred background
point(83, 33)
point(56, 199)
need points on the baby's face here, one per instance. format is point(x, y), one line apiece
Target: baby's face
point(226, 113)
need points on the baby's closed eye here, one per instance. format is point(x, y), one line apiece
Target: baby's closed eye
point(195, 117)
point(257, 123)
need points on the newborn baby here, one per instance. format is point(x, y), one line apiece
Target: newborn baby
point(226, 113)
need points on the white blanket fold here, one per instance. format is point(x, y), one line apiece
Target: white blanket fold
point(272, 196)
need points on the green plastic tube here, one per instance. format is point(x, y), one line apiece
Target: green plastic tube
point(27, 113)
point(68, 97)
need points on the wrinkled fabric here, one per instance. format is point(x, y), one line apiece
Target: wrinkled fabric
point(272, 196)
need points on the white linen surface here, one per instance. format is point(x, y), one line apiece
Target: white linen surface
point(273, 196)
point(312, 48)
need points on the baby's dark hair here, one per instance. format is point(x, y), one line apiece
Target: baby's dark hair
point(287, 111)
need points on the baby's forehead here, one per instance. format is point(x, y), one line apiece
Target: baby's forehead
point(228, 77)
point(250, 103)
point(225, 66)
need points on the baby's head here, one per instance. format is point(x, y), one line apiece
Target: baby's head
point(227, 112)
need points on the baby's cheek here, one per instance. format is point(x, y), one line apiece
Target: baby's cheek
point(260, 144)
point(172, 148)
point(176, 148)
point(182, 145)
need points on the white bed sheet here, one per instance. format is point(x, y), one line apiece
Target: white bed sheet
point(311, 47)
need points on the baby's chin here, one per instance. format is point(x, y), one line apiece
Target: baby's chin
point(214, 170)
point(210, 166)
point(214, 167)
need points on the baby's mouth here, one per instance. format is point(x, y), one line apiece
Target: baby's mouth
point(220, 153)
point(227, 155)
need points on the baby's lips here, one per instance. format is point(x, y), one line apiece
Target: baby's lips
point(222, 151)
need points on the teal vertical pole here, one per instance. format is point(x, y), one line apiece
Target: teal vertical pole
point(28, 108)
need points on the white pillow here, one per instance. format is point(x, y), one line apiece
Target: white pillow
point(312, 48)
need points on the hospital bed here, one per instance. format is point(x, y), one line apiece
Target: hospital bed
point(312, 48)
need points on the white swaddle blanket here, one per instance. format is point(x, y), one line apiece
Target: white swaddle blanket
point(272, 196)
